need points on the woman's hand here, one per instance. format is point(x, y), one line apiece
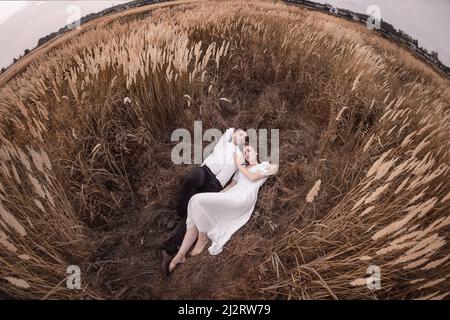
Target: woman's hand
point(238, 160)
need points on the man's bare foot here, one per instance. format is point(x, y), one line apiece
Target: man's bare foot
point(201, 243)
point(175, 261)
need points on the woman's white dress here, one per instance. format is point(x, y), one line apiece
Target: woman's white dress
point(221, 214)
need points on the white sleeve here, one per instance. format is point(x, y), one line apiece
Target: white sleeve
point(226, 137)
point(236, 176)
point(268, 169)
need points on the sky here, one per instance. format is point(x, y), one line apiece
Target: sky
point(9, 8)
point(22, 23)
point(425, 20)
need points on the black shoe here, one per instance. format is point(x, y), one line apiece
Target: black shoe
point(165, 261)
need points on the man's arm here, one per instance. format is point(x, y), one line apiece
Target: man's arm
point(226, 137)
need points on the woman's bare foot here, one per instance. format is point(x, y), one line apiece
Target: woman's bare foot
point(175, 261)
point(201, 243)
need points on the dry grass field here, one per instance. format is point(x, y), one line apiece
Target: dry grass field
point(86, 177)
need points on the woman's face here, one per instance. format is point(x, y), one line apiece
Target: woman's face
point(250, 154)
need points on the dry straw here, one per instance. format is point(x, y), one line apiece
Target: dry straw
point(74, 152)
point(313, 192)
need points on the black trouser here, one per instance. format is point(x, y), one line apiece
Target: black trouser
point(199, 179)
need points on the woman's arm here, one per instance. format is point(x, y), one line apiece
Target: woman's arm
point(254, 176)
point(271, 170)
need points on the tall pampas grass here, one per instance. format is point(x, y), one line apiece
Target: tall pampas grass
point(84, 129)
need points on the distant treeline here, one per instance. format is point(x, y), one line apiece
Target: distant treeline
point(387, 30)
point(92, 16)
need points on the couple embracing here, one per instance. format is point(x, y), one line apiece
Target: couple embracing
point(213, 207)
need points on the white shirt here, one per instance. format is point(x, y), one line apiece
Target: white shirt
point(221, 161)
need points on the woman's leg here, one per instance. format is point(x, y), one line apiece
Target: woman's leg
point(202, 241)
point(188, 241)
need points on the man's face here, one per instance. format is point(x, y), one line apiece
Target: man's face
point(239, 137)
